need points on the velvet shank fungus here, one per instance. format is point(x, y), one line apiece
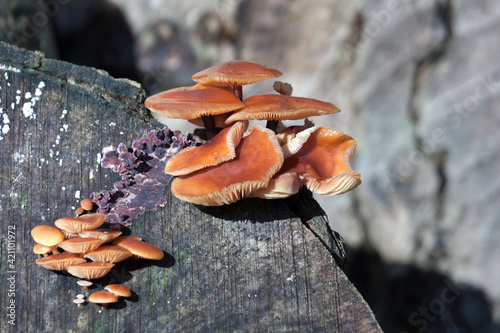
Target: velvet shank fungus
point(103, 297)
point(80, 244)
point(235, 73)
point(47, 235)
point(81, 223)
point(281, 107)
point(118, 290)
point(258, 157)
point(109, 253)
point(142, 249)
point(220, 149)
point(198, 101)
point(60, 261)
point(105, 235)
point(90, 270)
point(193, 102)
point(321, 163)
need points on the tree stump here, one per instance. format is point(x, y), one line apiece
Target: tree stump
point(256, 265)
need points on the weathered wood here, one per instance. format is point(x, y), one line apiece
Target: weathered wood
point(252, 266)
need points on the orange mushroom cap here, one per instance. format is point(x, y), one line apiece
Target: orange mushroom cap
point(281, 107)
point(323, 163)
point(118, 290)
point(103, 297)
point(122, 238)
point(142, 249)
point(80, 244)
point(87, 204)
point(219, 149)
point(105, 235)
point(238, 72)
point(90, 270)
point(258, 157)
point(41, 249)
point(193, 102)
point(60, 261)
point(80, 223)
point(47, 235)
point(109, 253)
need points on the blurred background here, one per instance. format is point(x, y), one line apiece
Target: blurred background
point(418, 83)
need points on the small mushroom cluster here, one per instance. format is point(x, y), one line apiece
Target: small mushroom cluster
point(237, 162)
point(88, 252)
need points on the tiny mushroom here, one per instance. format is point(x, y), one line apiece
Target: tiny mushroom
point(90, 270)
point(235, 73)
point(109, 253)
point(219, 149)
point(79, 301)
point(103, 298)
point(42, 249)
point(84, 283)
point(87, 204)
point(118, 290)
point(81, 223)
point(60, 261)
point(258, 158)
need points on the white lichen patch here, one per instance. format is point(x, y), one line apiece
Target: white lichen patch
point(9, 68)
point(63, 114)
point(77, 194)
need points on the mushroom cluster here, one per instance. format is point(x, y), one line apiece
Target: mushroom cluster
point(78, 246)
point(236, 162)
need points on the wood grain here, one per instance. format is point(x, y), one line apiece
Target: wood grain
point(252, 266)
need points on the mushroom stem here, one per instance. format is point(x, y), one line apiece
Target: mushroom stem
point(238, 90)
point(210, 128)
point(272, 125)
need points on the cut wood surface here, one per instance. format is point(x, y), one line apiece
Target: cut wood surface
point(253, 266)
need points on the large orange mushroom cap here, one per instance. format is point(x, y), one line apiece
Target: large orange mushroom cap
point(219, 149)
point(321, 162)
point(193, 102)
point(281, 107)
point(258, 157)
point(235, 72)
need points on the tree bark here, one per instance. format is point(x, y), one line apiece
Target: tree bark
point(256, 265)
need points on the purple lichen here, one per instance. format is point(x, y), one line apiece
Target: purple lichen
point(142, 178)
